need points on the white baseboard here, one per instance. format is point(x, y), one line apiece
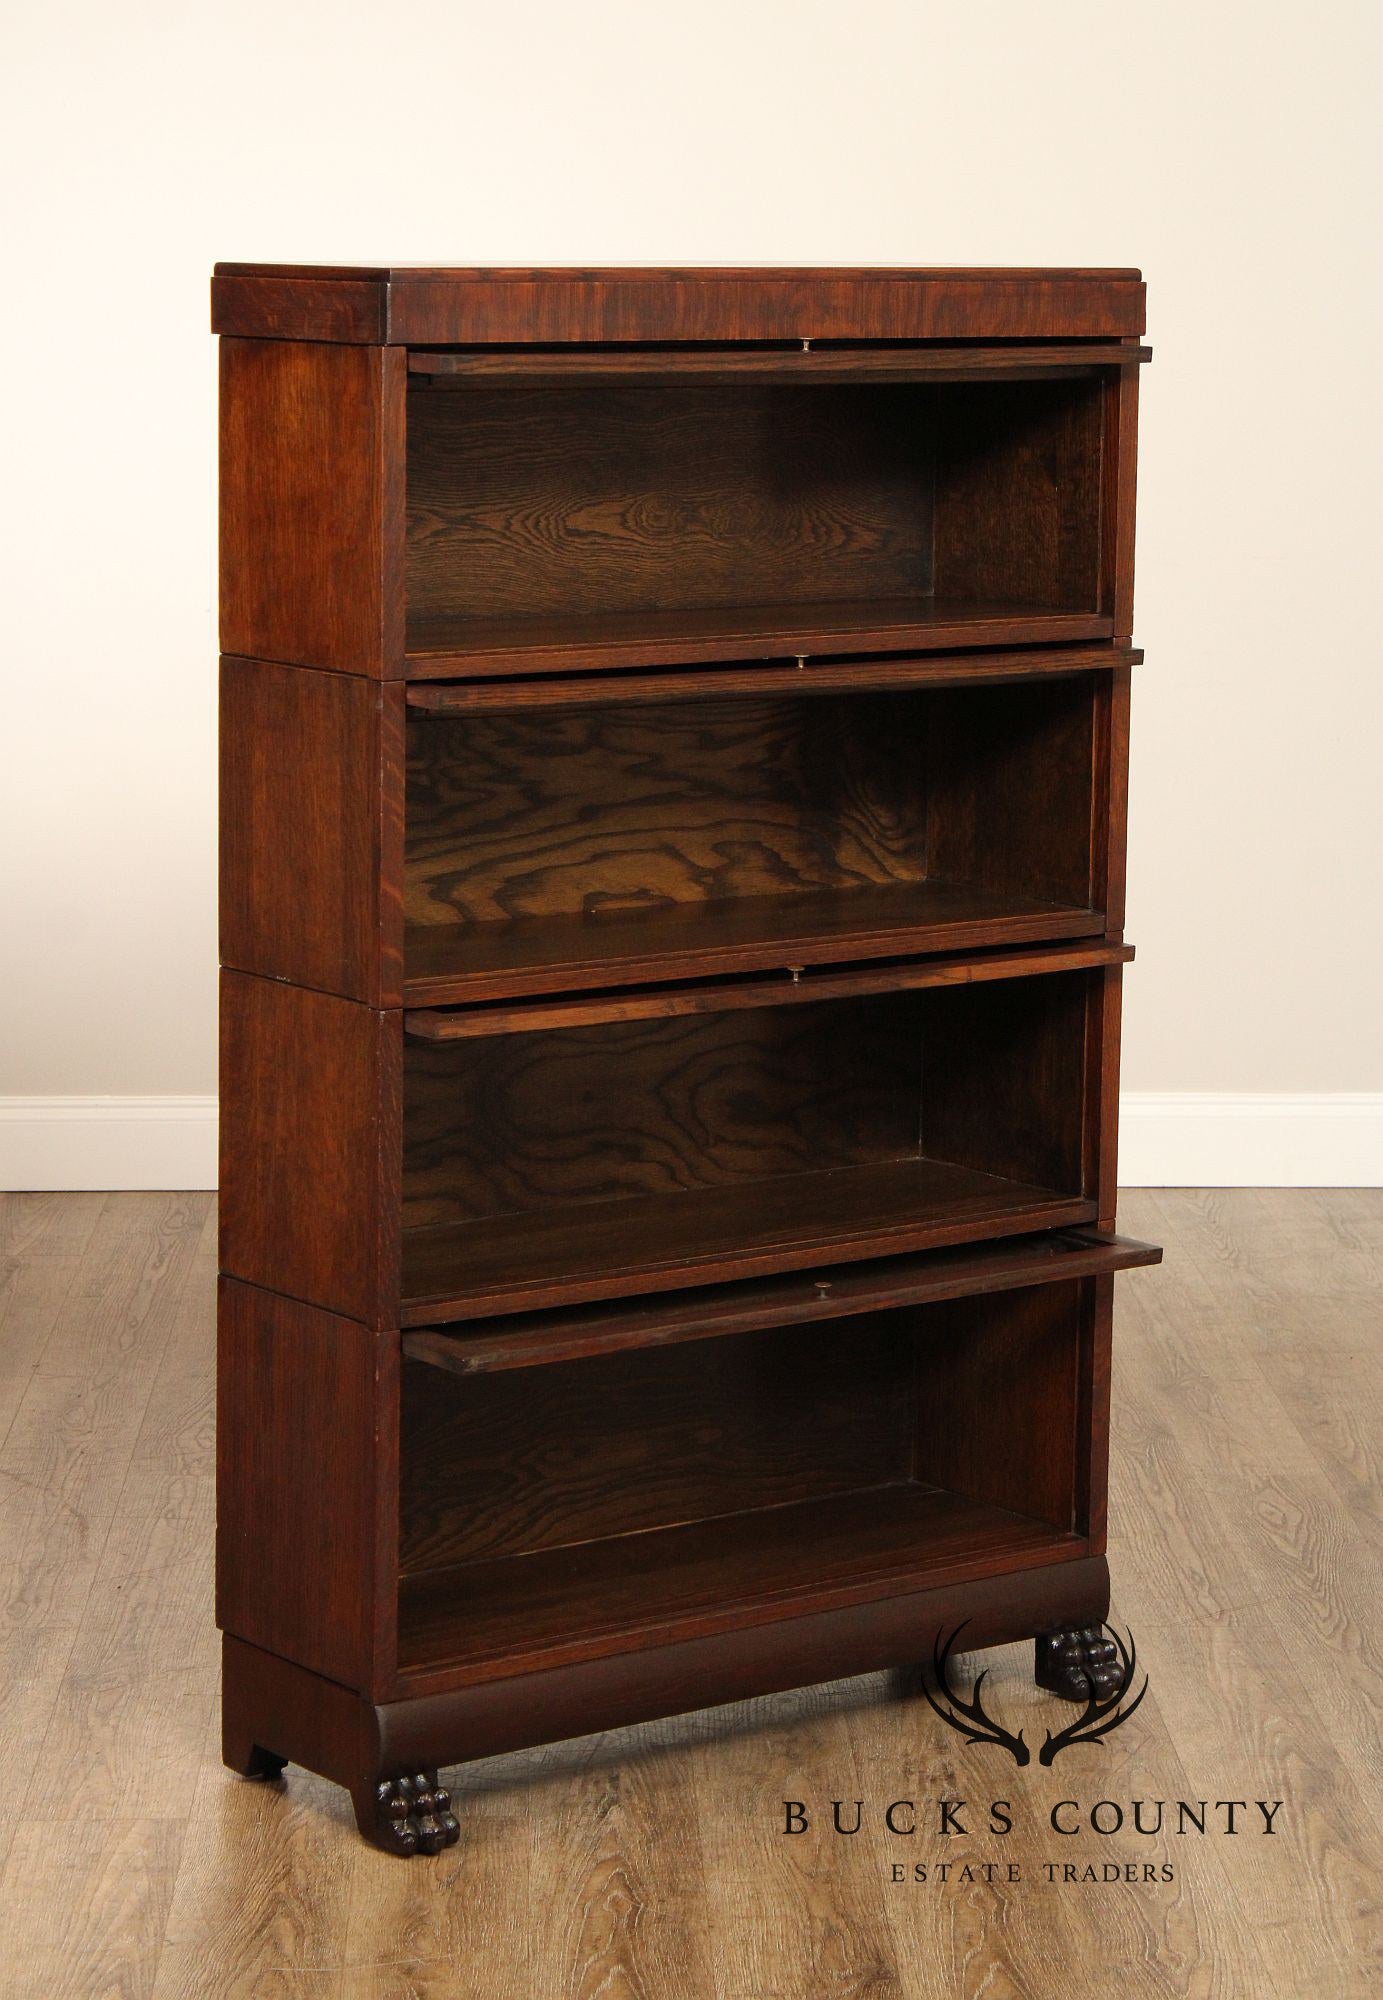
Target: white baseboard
point(1171, 1138)
point(107, 1142)
point(1207, 1138)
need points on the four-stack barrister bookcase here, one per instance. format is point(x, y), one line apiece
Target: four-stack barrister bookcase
point(674, 744)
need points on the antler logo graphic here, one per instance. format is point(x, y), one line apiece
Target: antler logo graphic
point(1102, 1713)
point(977, 1727)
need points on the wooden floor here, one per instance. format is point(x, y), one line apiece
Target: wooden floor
point(1245, 1542)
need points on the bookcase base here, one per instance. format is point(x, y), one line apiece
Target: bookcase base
point(387, 1754)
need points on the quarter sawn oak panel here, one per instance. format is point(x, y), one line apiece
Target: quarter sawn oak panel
point(311, 505)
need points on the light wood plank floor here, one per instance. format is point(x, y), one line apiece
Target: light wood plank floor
point(649, 1865)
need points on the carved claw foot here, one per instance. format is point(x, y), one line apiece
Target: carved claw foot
point(413, 1815)
point(1079, 1662)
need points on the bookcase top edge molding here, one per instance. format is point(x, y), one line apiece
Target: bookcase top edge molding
point(402, 305)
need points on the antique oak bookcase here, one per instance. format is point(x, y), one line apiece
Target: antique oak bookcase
point(674, 745)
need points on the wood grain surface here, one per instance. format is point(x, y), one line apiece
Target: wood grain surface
point(649, 1862)
point(556, 367)
point(643, 1441)
point(566, 642)
point(651, 1243)
point(588, 503)
point(605, 812)
point(800, 986)
point(529, 1122)
point(312, 800)
point(656, 941)
point(312, 453)
point(594, 499)
point(712, 683)
point(548, 845)
point(423, 305)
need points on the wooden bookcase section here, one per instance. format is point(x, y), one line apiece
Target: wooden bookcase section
point(674, 753)
point(554, 848)
point(697, 520)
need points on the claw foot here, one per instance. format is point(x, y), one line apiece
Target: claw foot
point(1078, 1662)
point(413, 1815)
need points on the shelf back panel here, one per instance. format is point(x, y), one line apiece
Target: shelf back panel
point(637, 1441)
point(525, 502)
point(527, 1122)
point(605, 502)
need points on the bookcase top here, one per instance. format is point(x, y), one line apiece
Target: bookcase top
point(426, 305)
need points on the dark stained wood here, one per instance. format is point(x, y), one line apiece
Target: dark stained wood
point(307, 1495)
point(591, 501)
point(818, 677)
point(624, 1591)
point(441, 647)
point(594, 1250)
point(513, 1463)
point(325, 308)
point(605, 813)
point(310, 1096)
point(1005, 1077)
point(1017, 495)
point(762, 1053)
point(312, 829)
point(440, 1716)
point(1093, 1411)
point(586, 1161)
point(592, 846)
point(1109, 795)
point(1120, 481)
point(978, 1368)
point(531, 510)
point(789, 990)
point(311, 505)
point(556, 367)
point(1104, 1015)
point(623, 1109)
point(440, 307)
point(447, 963)
point(1010, 779)
point(827, 1632)
point(537, 1340)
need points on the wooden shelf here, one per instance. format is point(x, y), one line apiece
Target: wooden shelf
point(712, 1312)
point(450, 963)
point(553, 1606)
point(439, 648)
point(562, 367)
point(661, 1003)
point(581, 1250)
point(820, 677)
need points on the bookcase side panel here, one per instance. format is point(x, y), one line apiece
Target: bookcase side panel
point(1118, 497)
point(311, 1148)
point(307, 1484)
point(1092, 1419)
point(1104, 1014)
point(312, 829)
point(312, 472)
point(998, 1394)
point(1109, 798)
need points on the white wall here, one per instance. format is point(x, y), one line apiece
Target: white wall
point(1229, 149)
